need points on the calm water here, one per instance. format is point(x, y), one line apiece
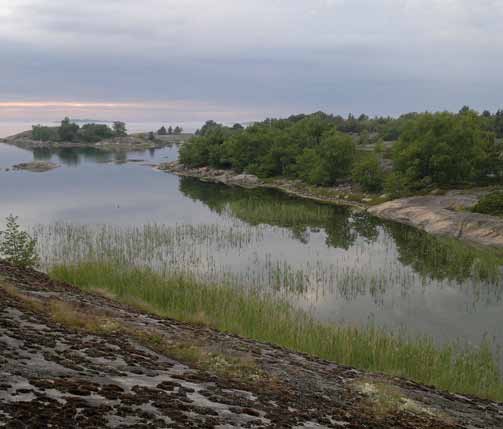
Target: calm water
point(353, 269)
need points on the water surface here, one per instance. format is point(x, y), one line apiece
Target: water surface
point(341, 265)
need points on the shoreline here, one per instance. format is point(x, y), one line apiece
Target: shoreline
point(445, 215)
point(249, 181)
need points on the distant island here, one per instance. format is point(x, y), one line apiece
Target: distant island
point(70, 134)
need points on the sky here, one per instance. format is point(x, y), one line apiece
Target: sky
point(239, 60)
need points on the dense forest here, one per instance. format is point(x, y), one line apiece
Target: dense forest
point(425, 149)
point(69, 131)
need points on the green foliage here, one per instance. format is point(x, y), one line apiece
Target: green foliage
point(92, 133)
point(68, 131)
point(441, 149)
point(162, 131)
point(45, 134)
point(307, 147)
point(491, 204)
point(329, 161)
point(71, 132)
point(151, 136)
point(16, 246)
point(446, 149)
point(119, 129)
point(396, 185)
point(367, 172)
point(178, 130)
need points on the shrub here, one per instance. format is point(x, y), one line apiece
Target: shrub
point(68, 131)
point(93, 133)
point(16, 246)
point(395, 185)
point(367, 172)
point(45, 134)
point(491, 204)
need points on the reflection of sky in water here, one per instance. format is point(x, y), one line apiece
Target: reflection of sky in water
point(99, 191)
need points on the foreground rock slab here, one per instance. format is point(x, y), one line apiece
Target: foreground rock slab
point(59, 372)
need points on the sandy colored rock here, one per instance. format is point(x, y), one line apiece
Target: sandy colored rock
point(446, 215)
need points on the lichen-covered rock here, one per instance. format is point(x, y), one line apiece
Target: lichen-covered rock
point(53, 374)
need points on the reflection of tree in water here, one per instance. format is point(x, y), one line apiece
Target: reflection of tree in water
point(42, 154)
point(72, 156)
point(431, 257)
point(120, 156)
point(442, 258)
point(260, 206)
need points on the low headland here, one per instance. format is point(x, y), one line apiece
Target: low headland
point(431, 171)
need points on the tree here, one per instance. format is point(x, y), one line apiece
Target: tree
point(119, 129)
point(68, 130)
point(178, 130)
point(208, 125)
point(330, 161)
point(367, 172)
point(444, 149)
point(42, 133)
point(162, 131)
point(16, 246)
point(93, 133)
point(170, 130)
point(151, 136)
point(237, 127)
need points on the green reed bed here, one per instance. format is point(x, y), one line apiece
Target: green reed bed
point(270, 319)
point(236, 253)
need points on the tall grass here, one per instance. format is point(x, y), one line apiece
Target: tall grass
point(266, 318)
point(241, 254)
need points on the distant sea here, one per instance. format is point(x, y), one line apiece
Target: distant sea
point(10, 128)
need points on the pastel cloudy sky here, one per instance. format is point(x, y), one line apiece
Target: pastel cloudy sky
point(247, 59)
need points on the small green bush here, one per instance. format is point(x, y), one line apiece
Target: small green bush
point(16, 246)
point(491, 204)
point(367, 172)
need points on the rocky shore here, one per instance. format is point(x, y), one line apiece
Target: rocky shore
point(36, 166)
point(446, 215)
point(72, 359)
point(340, 195)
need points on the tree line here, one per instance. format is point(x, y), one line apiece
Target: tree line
point(69, 131)
point(169, 131)
point(429, 149)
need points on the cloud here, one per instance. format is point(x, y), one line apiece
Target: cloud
point(378, 56)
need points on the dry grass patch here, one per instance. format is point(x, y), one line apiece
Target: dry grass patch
point(222, 363)
point(384, 399)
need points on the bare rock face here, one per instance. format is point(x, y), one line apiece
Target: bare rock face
point(445, 215)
